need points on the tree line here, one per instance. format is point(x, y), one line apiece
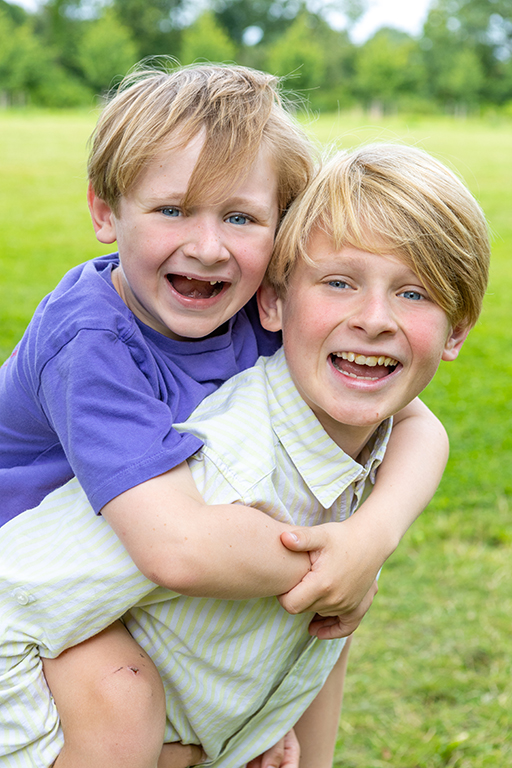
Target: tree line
point(69, 52)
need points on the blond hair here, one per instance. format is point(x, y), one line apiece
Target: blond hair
point(386, 198)
point(240, 110)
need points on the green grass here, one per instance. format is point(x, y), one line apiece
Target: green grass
point(429, 680)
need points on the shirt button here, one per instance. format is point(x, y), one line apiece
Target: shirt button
point(22, 597)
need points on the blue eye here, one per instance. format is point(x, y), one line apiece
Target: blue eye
point(338, 284)
point(238, 218)
point(412, 295)
point(170, 211)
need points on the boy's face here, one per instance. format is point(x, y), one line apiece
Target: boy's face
point(186, 273)
point(361, 337)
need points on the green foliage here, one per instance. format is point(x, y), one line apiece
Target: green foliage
point(206, 39)
point(387, 67)
point(299, 55)
point(152, 23)
point(21, 56)
point(460, 63)
point(106, 51)
point(273, 17)
point(466, 43)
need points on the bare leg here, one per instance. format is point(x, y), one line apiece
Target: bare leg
point(110, 701)
point(318, 727)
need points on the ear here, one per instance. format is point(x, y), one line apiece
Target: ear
point(270, 307)
point(455, 340)
point(103, 220)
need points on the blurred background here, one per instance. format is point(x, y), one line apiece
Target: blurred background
point(430, 675)
point(437, 55)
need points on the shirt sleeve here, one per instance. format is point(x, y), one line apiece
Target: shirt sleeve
point(114, 418)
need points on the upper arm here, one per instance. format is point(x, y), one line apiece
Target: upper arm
point(108, 415)
point(153, 519)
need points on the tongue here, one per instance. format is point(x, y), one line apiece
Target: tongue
point(364, 371)
point(194, 289)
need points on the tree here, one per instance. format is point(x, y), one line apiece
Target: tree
point(58, 25)
point(299, 55)
point(18, 59)
point(206, 39)
point(29, 72)
point(387, 67)
point(273, 17)
point(155, 24)
point(480, 28)
point(459, 84)
point(337, 89)
point(15, 13)
point(106, 51)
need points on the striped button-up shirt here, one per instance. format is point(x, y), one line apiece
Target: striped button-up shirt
point(238, 674)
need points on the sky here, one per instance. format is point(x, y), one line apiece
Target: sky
point(407, 15)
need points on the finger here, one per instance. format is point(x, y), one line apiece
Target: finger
point(304, 539)
point(301, 597)
point(326, 630)
point(273, 757)
point(254, 763)
point(291, 751)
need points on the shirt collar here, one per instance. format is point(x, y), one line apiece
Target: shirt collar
point(326, 468)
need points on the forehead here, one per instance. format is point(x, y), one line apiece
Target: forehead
point(186, 170)
point(324, 254)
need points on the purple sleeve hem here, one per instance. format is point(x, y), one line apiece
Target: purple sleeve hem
point(142, 471)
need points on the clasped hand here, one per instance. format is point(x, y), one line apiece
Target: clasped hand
point(341, 584)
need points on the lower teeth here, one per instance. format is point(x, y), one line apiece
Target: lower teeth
point(364, 378)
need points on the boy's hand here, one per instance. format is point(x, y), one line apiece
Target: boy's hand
point(345, 560)
point(284, 754)
point(330, 627)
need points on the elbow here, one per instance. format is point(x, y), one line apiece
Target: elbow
point(181, 575)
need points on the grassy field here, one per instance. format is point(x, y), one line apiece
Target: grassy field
point(429, 680)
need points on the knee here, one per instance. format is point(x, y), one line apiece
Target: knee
point(132, 696)
point(119, 718)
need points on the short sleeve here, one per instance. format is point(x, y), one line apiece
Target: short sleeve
point(111, 413)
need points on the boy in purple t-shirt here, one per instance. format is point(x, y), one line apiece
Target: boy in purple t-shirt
point(190, 171)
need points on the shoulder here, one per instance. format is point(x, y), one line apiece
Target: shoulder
point(84, 300)
point(235, 426)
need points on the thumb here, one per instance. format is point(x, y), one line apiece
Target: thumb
point(303, 539)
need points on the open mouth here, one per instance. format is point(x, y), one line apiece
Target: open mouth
point(370, 368)
point(195, 289)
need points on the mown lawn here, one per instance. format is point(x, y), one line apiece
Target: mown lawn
point(429, 680)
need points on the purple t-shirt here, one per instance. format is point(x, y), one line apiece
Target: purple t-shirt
point(91, 391)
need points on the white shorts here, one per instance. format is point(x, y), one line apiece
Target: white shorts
point(64, 577)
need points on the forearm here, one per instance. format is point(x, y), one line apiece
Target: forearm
point(179, 542)
point(408, 477)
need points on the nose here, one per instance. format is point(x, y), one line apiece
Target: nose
point(374, 315)
point(205, 244)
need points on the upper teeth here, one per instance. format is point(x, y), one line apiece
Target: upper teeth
point(212, 282)
point(371, 361)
